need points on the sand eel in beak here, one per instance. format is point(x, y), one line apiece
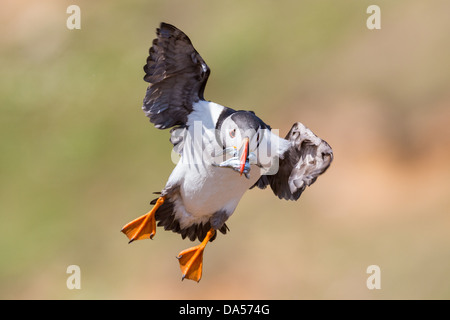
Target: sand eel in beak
point(202, 192)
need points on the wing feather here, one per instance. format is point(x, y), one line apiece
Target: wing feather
point(177, 75)
point(300, 165)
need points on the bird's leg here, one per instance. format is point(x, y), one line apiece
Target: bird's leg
point(143, 227)
point(191, 260)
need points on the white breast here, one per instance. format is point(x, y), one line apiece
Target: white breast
point(208, 190)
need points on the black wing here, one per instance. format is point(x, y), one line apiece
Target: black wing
point(177, 75)
point(306, 159)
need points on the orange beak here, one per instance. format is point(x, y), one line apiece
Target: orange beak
point(244, 155)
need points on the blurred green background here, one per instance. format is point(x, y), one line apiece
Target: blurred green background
point(79, 159)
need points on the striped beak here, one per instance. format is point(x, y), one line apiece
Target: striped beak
point(243, 151)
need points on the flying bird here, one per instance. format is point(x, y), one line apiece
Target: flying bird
point(222, 152)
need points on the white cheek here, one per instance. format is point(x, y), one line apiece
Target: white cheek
point(233, 142)
point(230, 142)
point(238, 139)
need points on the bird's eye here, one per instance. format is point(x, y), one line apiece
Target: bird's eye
point(233, 133)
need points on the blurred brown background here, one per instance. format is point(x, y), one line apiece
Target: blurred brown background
point(79, 159)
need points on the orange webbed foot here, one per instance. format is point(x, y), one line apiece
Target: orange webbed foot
point(143, 227)
point(191, 260)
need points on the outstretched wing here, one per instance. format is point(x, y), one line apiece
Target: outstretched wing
point(301, 164)
point(177, 75)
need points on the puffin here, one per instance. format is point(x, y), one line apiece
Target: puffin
point(219, 152)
